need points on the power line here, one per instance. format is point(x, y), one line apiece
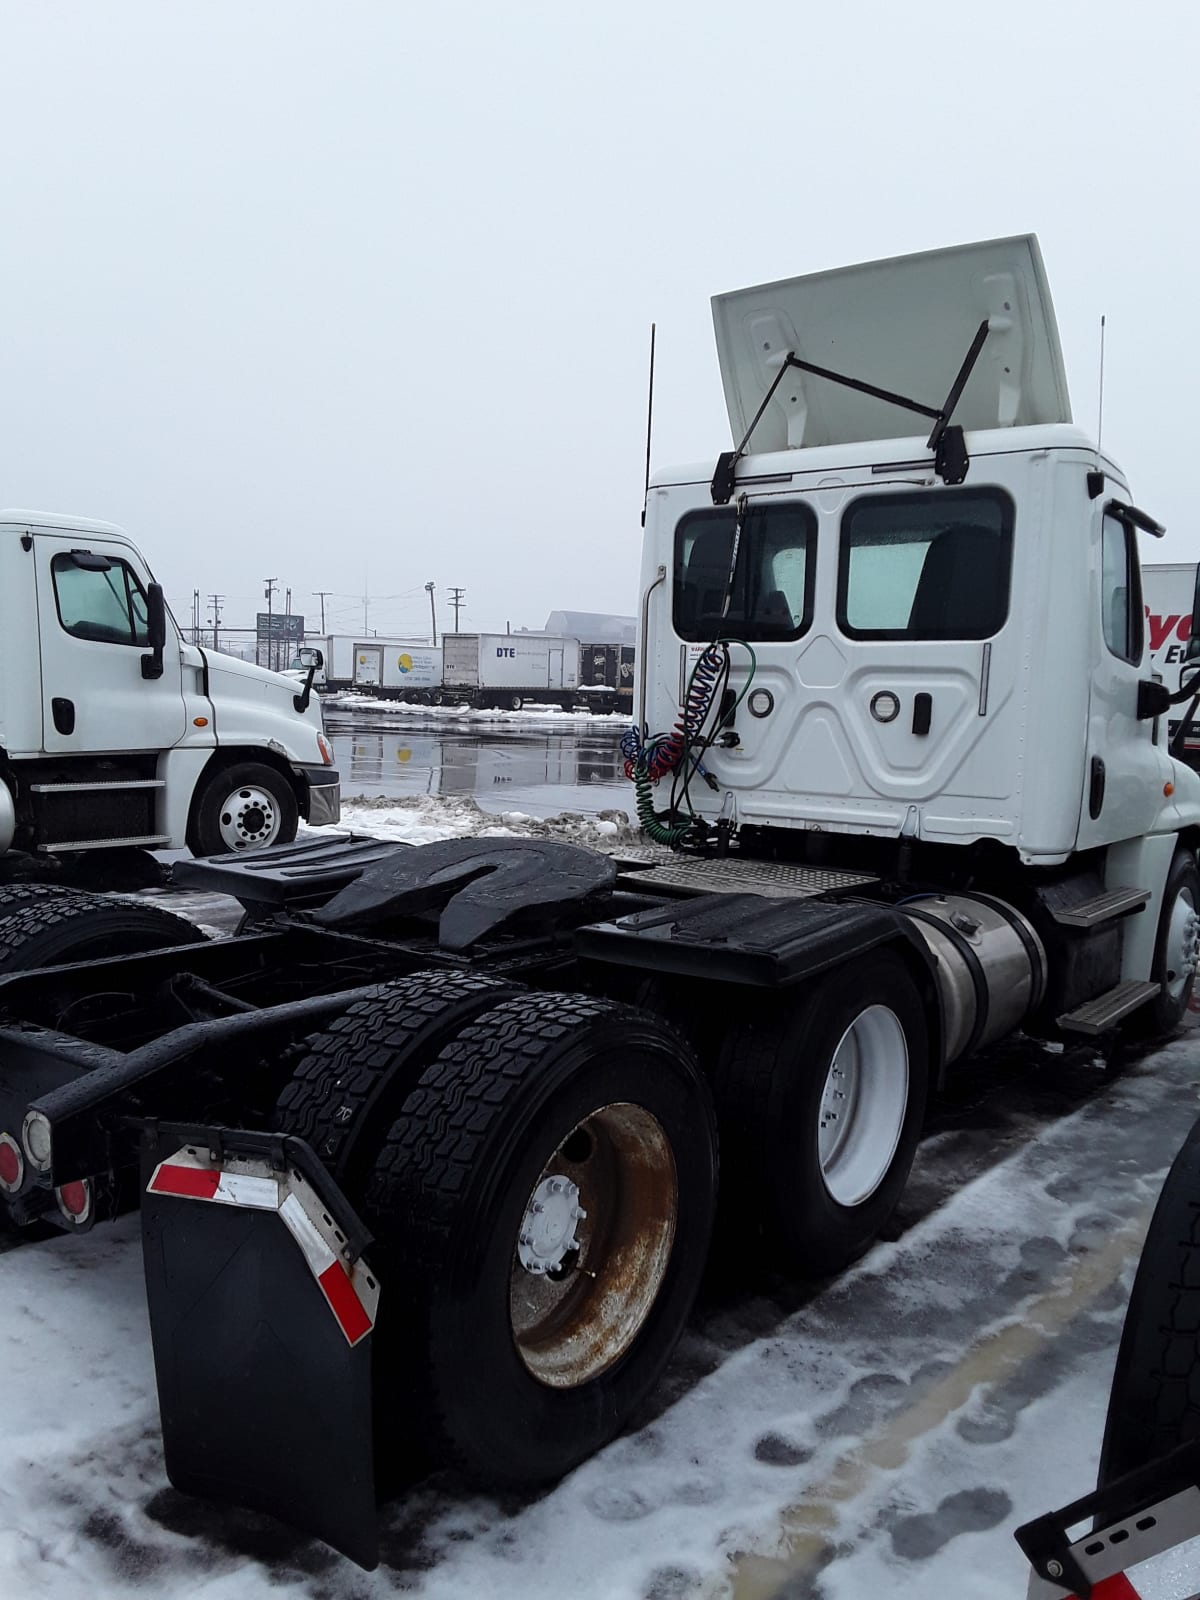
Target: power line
point(215, 619)
point(271, 585)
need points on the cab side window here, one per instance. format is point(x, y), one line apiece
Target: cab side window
point(99, 598)
point(1120, 590)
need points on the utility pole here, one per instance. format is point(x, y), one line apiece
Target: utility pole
point(195, 616)
point(366, 608)
point(321, 594)
point(272, 584)
point(458, 598)
point(215, 619)
point(432, 612)
point(287, 611)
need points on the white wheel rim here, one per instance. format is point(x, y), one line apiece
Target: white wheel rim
point(1180, 954)
point(249, 819)
point(863, 1105)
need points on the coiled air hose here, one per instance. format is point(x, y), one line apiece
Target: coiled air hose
point(649, 759)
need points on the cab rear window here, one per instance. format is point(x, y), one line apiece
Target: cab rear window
point(761, 592)
point(926, 566)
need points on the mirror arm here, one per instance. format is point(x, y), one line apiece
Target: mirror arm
point(300, 701)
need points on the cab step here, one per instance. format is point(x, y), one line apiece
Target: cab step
point(1106, 1010)
point(94, 788)
point(1101, 908)
point(149, 841)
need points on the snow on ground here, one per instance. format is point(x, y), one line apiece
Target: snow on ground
point(880, 1435)
point(530, 714)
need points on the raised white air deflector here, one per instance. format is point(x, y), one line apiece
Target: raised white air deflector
point(903, 324)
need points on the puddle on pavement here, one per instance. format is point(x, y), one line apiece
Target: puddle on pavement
point(531, 769)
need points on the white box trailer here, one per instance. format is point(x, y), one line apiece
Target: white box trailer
point(507, 669)
point(398, 669)
point(332, 654)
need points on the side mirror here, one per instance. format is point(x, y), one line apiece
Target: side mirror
point(156, 628)
point(1153, 699)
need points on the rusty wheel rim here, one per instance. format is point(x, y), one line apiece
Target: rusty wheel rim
point(593, 1246)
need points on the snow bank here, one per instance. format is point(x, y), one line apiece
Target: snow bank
point(529, 714)
point(420, 819)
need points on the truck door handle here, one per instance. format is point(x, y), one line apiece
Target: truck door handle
point(63, 712)
point(1096, 786)
point(922, 713)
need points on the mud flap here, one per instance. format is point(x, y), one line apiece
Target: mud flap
point(261, 1313)
point(1140, 1538)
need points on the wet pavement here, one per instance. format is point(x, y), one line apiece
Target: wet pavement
point(509, 768)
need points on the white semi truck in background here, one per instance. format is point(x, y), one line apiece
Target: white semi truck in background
point(444, 1164)
point(1168, 590)
point(115, 732)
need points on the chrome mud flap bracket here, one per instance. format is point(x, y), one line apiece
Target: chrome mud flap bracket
point(261, 1314)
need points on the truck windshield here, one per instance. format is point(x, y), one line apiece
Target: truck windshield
point(771, 594)
point(926, 566)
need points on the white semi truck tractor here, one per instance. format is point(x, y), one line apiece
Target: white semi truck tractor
point(449, 1124)
point(115, 732)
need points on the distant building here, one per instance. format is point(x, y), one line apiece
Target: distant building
point(593, 627)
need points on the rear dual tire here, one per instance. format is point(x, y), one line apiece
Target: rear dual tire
point(542, 1200)
point(49, 927)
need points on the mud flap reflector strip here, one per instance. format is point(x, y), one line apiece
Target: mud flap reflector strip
point(350, 1291)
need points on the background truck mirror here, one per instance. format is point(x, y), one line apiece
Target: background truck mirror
point(156, 627)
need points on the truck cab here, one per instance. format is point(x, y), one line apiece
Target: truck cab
point(951, 661)
point(114, 731)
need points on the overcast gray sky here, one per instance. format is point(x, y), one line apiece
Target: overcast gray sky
point(361, 292)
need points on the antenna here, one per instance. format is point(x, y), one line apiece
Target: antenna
point(1100, 416)
point(649, 426)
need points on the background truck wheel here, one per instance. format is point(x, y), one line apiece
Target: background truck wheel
point(1154, 1404)
point(246, 807)
point(820, 1104)
point(1174, 949)
point(345, 1092)
point(62, 928)
point(543, 1204)
point(515, 702)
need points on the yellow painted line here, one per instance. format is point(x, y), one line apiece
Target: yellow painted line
point(805, 1530)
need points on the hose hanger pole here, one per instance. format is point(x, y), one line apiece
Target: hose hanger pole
point(649, 426)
